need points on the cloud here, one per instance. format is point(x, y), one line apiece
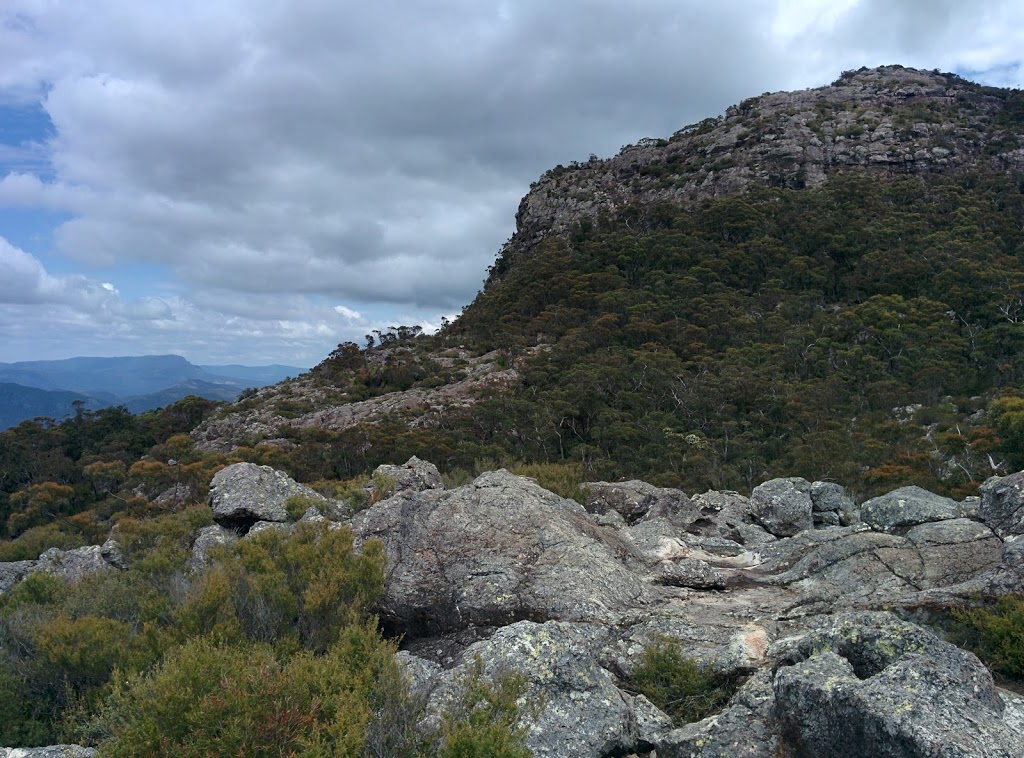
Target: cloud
point(271, 158)
point(348, 312)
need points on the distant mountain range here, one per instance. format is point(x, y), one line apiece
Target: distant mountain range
point(48, 388)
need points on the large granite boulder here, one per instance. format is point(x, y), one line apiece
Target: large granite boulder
point(244, 493)
point(1002, 504)
point(493, 552)
point(634, 500)
point(783, 506)
point(414, 475)
point(907, 506)
point(860, 685)
point(580, 711)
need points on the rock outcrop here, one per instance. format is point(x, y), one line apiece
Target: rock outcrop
point(859, 685)
point(244, 493)
point(889, 119)
point(496, 551)
point(503, 571)
point(502, 576)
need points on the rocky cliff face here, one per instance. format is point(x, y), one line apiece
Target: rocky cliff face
point(892, 120)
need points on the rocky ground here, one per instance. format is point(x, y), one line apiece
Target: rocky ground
point(796, 586)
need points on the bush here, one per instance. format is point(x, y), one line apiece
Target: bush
point(297, 505)
point(678, 685)
point(484, 722)
point(563, 479)
point(287, 589)
point(995, 634)
point(212, 699)
point(36, 540)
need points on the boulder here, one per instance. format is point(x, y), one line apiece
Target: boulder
point(244, 493)
point(783, 506)
point(73, 565)
point(580, 710)
point(859, 685)
point(1002, 504)
point(414, 475)
point(634, 500)
point(13, 572)
point(907, 506)
point(831, 506)
point(208, 538)
point(493, 552)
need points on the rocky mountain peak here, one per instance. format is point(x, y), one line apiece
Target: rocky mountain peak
point(891, 119)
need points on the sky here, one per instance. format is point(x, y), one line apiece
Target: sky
point(256, 181)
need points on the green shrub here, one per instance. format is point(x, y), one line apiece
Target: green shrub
point(287, 589)
point(35, 540)
point(563, 479)
point(162, 545)
point(297, 505)
point(212, 699)
point(352, 492)
point(383, 488)
point(678, 685)
point(995, 634)
point(485, 722)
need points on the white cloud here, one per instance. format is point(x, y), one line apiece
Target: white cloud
point(348, 312)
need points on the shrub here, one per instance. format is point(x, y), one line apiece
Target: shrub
point(383, 487)
point(207, 698)
point(287, 588)
point(161, 545)
point(35, 540)
point(680, 686)
point(994, 633)
point(297, 505)
point(485, 722)
point(563, 479)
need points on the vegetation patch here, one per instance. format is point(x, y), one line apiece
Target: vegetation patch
point(995, 633)
point(681, 687)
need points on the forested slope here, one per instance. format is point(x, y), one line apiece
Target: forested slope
point(826, 283)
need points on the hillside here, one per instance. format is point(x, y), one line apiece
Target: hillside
point(827, 283)
point(18, 403)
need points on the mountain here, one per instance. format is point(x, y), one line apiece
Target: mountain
point(259, 375)
point(118, 377)
point(140, 383)
point(18, 403)
point(826, 283)
point(208, 390)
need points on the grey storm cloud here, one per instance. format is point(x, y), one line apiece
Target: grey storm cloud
point(374, 154)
